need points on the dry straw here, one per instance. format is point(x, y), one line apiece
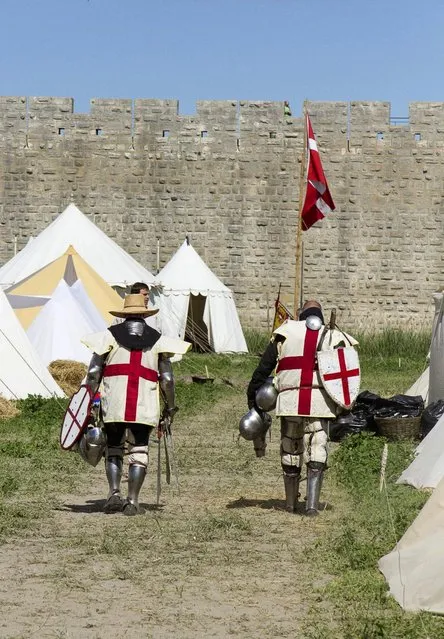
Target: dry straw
point(8, 408)
point(68, 374)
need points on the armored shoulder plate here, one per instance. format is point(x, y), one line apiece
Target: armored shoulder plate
point(313, 322)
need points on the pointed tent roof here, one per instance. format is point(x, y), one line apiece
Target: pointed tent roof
point(71, 268)
point(427, 468)
point(22, 372)
point(57, 330)
point(186, 272)
point(72, 227)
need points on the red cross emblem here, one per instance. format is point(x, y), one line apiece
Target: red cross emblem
point(134, 371)
point(340, 374)
point(76, 417)
point(307, 365)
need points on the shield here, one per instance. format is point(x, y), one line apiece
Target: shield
point(76, 417)
point(340, 374)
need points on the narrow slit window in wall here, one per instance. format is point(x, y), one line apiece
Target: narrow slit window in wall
point(272, 134)
point(165, 133)
point(61, 131)
point(380, 135)
point(417, 137)
point(99, 131)
point(204, 134)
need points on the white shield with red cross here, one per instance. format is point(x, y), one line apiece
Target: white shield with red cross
point(76, 417)
point(340, 374)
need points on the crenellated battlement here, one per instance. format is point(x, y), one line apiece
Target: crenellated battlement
point(228, 176)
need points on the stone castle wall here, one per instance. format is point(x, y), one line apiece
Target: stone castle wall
point(228, 176)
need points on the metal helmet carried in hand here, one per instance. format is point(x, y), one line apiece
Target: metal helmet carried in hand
point(266, 395)
point(254, 424)
point(92, 445)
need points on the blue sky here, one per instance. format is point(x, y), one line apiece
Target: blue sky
point(224, 49)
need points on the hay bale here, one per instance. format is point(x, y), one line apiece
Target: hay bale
point(8, 408)
point(68, 374)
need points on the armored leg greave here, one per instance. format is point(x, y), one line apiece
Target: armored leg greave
point(315, 474)
point(136, 476)
point(291, 485)
point(113, 467)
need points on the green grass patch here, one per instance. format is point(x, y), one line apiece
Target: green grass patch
point(394, 342)
point(369, 526)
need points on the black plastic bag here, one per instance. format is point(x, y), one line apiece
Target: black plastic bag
point(398, 406)
point(430, 416)
point(351, 424)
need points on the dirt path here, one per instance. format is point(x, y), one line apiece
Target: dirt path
point(219, 559)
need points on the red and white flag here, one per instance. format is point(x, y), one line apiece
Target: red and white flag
point(318, 201)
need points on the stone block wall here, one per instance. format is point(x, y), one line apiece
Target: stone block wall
point(228, 176)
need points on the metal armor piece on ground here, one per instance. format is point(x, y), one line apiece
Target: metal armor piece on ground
point(254, 424)
point(340, 374)
point(92, 445)
point(76, 417)
point(266, 396)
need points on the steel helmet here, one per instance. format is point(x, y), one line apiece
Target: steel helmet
point(266, 395)
point(92, 445)
point(254, 424)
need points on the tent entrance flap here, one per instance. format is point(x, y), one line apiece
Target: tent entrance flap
point(196, 330)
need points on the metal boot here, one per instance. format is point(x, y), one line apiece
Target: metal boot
point(291, 484)
point(113, 468)
point(315, 474)
point(136, 476)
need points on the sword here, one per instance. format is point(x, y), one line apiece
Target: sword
point(167, 462)
point(169, 445)
point(159, 466)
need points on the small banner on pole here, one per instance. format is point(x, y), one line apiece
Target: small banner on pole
point(318, 201)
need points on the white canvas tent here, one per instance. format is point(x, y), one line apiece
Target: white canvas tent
point(106, 257)
point(195, 303)
point(421, 386)
point(22, 371)
point(427, 469)
point(414, 569)
point(58, 328)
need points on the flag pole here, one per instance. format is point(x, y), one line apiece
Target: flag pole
point(299, 261)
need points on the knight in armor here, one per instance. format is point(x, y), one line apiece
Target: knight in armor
point(131, 365)
point(303, 405)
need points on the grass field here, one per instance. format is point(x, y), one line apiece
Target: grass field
point(220, 557)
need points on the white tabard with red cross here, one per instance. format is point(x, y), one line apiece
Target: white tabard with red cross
point(130, 389)
point(297, 377)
